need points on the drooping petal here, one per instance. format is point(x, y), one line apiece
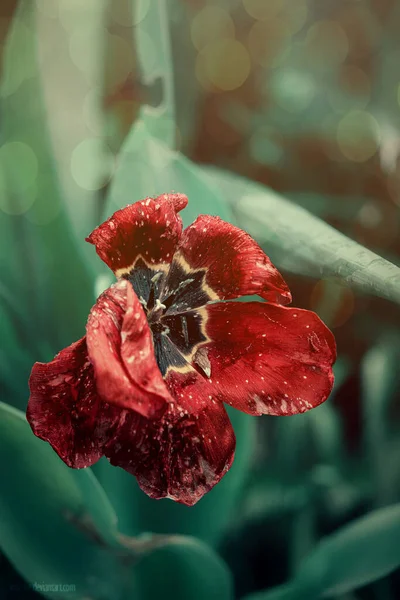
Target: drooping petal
point(121, 350)
point(183, 455)
point(220, 261)
point(149, 229)
point(267, 359)
point(65, 410)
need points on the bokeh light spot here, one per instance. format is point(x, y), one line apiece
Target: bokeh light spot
point(267, 40)
point(264, 149)
point(292, 90)
point(296, 15)
point(352, 91)
point(85, 60)
point(263, 10)
point(121, 58)
point(92, 164)
point(48, 203)
point(358, 135)
point(333, 301)
point(370, 215)
point(224, 65)
point(18, 175)
point(123, 13)
point(75, 14)
point(326, 44)
point(19, 63)
point(48, 7)
point(212, 23)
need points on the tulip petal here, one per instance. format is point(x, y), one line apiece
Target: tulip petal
point(121, 350)
point(269, 359)
point(65, 410)
point(149, 229)
point(183, 455)
point(222, 262)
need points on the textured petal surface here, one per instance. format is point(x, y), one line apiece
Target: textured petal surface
point(150, 228)
point(183, 455)
point(65, 410)
point(235, 264)
point(121, 350)
point(267, 359)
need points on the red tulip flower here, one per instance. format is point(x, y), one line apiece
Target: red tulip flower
point(166, 347)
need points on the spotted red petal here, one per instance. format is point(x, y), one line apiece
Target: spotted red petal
point(64, 408)
point(121, 350)
point(183, 455)
point(149, 229)
point(268, 359)
point(234, 264)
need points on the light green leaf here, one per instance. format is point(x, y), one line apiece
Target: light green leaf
point(154, 54)
point(41, 267)
point(299, 242)
point(363, 551)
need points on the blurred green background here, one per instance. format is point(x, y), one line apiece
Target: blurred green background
point(282, 116)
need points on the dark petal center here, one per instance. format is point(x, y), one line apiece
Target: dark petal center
point(168, 300)
point(183, 290)
point(185, 330)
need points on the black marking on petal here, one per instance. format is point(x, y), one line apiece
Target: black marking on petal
point(184, 289)
point(146, 282)
point(168, 299)
point(167, 354)
point(185, 331)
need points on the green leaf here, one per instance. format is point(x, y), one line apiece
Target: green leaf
point(147, 167)
point(363, 551)
point(299, 242)
point(154, 54)
point(57, 526)
point(37, 243)
point(186, 571)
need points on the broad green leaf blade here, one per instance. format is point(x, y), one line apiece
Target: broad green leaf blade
point(154, 54)
point(300, 242)
point(206, 520)
point(42, 269)
point(363, 551)
point(54, 521)
point(147, 167)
